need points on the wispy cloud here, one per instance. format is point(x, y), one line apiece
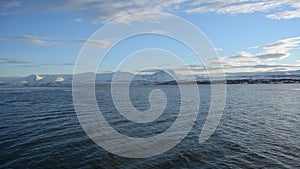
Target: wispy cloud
point(28, 65)
point(78, 20)
point(285, 15)
point(283, 46)
point(254, 61)
point(92, 42)
point(272, 56)
point(69, 64)
point(59, 64)
point(217, 49)
point(274, 9)
point(292, 10)
point(24, 63)
point(13, 61)
point(31, 39)
point(232, 6)
point(274, 51)
point(103, 11)
point(50, 41)
point(36, 40)
point(8, 7)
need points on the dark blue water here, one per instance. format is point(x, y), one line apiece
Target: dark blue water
point(260, 128)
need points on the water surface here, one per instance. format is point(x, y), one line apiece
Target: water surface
point(259, 128)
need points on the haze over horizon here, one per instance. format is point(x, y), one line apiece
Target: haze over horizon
point(41, 37)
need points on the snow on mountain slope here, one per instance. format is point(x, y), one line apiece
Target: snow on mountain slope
point(41, 80)
point(160, 76)
point(59, 79)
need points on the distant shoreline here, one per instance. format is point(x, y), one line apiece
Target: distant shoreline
point(241, 81)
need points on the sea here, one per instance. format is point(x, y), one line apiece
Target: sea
point(259, 128)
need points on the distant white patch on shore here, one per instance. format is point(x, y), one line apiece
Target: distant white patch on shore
point(59, 79)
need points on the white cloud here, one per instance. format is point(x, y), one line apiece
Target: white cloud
point(272, 56)
point(256, 61)
point(283, 46)
point(103, 11)
point(8, 7)
point(293, 12)
point(59, 64)
point(232, 6)
point(49, 41)
point(36, 40)
point(13, 61)
point(78, 20)
point(69, 64)
point(159, 32)
point(31, 39)
point(285, 15)
point(274, 51)
point(217, 49)
point(274, 9)
point(95, 43)
point(254, 47)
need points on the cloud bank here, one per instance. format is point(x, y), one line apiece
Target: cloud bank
point(255, 61)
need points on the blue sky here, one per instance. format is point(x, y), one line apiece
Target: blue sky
point(45, 37)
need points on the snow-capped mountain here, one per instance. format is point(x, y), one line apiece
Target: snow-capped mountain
point(159, 76)
point(118, 76)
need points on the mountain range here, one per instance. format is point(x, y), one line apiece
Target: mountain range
point(158, 77)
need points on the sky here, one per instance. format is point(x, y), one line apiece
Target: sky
point(46, 37)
